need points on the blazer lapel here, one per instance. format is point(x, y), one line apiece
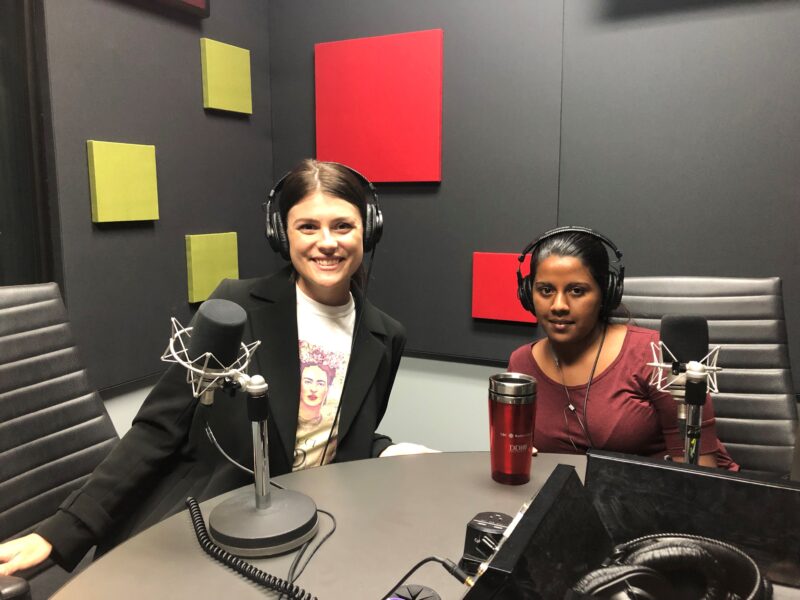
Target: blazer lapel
point(277, 358)
point(368, 351)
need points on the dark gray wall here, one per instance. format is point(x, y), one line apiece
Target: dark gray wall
point(674, 127)
point(129, 71)
point(681, 137)
point(501, 112)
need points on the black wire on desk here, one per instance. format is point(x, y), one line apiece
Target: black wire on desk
point(448, 564)
point(292, 577)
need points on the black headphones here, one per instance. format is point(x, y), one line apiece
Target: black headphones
point(612, 295)
point(276, 230)
point(671, 566)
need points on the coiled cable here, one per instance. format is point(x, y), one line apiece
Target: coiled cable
point(251, 572)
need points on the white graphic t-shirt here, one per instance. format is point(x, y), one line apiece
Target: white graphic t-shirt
point(324, 334)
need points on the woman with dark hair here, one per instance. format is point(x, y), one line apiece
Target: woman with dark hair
point(594, 387)
point(320, 219)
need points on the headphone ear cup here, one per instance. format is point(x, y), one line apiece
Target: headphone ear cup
point(377, 226)
point(695, 566)
point(617, 289)
point(613, 293)
point(525, 294)
point(616, 581)
point(369, 228)
point(281, 241)
point(373, 225)
point(269, 227)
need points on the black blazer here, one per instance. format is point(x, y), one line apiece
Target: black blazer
point(166, 456)
point(271, 306)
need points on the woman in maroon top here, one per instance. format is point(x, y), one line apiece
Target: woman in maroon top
point(593, 381)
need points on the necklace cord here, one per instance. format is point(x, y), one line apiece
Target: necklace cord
point(585, 426)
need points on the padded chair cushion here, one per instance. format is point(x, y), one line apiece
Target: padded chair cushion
point(54, 429)
point(756, 408)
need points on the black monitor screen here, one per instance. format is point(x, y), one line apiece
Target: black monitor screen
point(638, 496)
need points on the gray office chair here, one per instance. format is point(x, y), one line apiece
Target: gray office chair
point(756, 408)
point(54, 429)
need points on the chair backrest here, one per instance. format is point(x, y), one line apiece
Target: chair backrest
point(54, 429)
point(756, 408)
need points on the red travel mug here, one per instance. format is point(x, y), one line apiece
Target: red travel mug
point(512, 414)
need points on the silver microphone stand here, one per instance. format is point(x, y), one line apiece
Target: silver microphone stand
point(269, 521)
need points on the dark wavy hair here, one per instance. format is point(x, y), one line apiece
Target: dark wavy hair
point(332, 179)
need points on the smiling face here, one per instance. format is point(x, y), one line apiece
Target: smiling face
point(325, 245)
point(567, 299)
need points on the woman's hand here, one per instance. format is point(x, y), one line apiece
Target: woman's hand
point(23, 553)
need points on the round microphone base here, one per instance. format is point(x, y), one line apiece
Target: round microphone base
point(244, 530)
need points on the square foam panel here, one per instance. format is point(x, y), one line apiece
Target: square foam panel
point(379, 105)
point(210, 258)
point(122, 181)
point(226, 77)
point(494, 288)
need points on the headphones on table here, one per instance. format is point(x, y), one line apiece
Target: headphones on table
point(276, 229)
point(612, 295)
point(674, 566)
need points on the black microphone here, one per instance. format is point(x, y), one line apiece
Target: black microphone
point(217, 329)
point(211, 348)
point(686, 337)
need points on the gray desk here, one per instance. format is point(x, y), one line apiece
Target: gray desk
point(391, 513)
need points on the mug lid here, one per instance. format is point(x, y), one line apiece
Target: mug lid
point(512, 384)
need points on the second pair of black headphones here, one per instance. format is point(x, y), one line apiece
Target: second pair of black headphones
point(671, 567)
point(276, 229)
point(612, 295)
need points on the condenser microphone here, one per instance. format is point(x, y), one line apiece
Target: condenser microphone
point(215, 342)
point(257, 522)
point(686, 336)
point(217, 331)
point(211, 349)
point(683, 353)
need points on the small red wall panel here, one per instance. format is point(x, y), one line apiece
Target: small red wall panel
point(379, 105)
point(494, 288)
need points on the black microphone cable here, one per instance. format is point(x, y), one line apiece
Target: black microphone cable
point(242, 567)
point(449, 566)
point(292, 577)
point(335, 423)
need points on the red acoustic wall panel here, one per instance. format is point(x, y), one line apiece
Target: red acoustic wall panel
point(494, 288)
point(379, 105)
